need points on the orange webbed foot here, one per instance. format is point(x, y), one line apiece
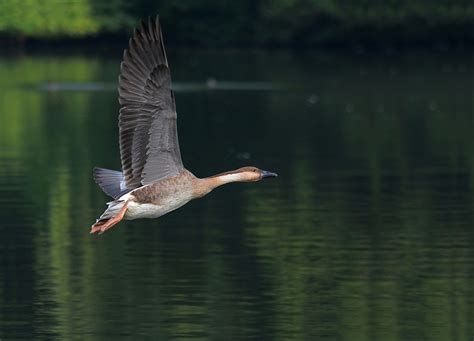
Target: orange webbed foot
point(103, 225)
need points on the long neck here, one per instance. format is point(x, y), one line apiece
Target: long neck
point(208, 184)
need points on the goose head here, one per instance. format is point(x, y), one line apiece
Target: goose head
point(247, 174)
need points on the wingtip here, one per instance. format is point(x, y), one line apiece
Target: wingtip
point(95, 170)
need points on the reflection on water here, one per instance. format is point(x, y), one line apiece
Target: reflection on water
point(210, 84)
point(366, 234)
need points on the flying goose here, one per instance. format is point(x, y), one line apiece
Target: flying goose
point(153, 180)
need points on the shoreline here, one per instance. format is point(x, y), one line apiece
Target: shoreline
point(367, 37)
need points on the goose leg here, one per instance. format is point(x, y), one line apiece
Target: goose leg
point(103, 225)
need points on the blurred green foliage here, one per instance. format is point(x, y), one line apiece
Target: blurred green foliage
point(247, 22)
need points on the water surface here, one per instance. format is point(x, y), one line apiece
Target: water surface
point(367, 233)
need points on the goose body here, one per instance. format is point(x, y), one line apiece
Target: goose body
point(157, 199)
point(153, 180)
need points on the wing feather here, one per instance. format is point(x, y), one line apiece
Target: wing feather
point(149, 147)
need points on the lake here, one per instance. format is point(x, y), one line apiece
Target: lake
point(367, 233)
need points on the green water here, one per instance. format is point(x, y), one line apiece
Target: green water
point(366, 234)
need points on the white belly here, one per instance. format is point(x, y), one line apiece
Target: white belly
point(136, 210)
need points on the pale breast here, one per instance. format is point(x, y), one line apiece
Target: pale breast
point(138, 210)
point(155, 200)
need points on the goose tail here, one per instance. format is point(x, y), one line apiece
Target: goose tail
point(110, 181)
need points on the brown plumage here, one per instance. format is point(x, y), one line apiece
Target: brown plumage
point(153, 180)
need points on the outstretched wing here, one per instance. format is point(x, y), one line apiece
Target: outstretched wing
point(149, 147)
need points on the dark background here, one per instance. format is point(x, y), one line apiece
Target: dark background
point(364, 110)
point(231, 23)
